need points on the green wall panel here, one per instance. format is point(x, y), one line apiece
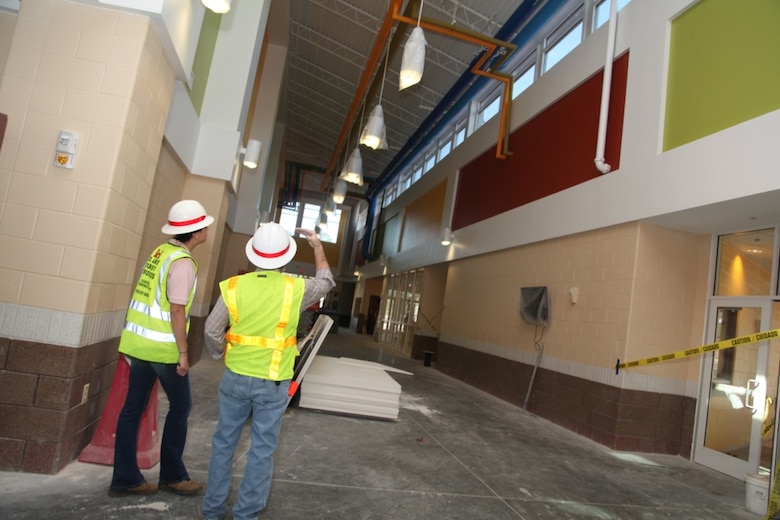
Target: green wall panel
point(204, 53)
point(724, 67)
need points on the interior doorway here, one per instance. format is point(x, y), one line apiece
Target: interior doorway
point(737, 403)
point(400, 309)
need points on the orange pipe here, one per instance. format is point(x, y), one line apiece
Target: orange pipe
point(373, 60)
point(393, 10)
point(502, 148)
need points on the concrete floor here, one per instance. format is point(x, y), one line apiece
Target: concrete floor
point(454, 453)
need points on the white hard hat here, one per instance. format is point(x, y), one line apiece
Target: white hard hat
point(271, 247)
point(186, 216)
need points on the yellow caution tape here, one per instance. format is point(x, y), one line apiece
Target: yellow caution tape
point(694, 351)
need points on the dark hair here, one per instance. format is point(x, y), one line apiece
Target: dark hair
point(184, 237)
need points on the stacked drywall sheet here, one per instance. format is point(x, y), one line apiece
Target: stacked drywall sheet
point(351, 386)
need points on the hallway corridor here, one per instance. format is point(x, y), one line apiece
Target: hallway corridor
point(454, 453)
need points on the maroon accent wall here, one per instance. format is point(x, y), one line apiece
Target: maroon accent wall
point(553, 151)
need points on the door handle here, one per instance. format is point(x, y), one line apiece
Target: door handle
point(750, 388)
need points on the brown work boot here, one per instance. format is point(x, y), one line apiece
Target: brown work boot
point(144, 488)
point(185, 487)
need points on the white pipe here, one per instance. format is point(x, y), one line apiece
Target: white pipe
point(602, 166)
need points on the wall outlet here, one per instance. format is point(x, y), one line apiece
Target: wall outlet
point(85, 393)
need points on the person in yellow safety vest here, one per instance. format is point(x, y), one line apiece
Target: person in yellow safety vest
point(261, 309)
point(154, 343)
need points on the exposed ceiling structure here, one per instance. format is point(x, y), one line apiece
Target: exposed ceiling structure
point(330, 46)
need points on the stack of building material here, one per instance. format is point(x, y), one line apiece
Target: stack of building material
point(351, 386)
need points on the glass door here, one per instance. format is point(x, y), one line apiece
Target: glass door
point(735, 397)
point(401, 306)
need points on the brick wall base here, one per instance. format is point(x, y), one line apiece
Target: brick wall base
point(48, 414)
point(626, 420)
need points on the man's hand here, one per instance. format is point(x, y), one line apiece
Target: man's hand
point(310, 236)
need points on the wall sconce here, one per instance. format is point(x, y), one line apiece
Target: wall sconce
point(353, 171)
point(446, 237)
point(339, 191)
point(413, 59)
point(251, 153)
point(218, 6)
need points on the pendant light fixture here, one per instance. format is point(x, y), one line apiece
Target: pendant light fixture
point(353, 171)
point(413, 59)
point(339, 191)
point(330, 206)
point(373, 134)
point(218, 6)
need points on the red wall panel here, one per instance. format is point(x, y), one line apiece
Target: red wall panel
point(551, 152)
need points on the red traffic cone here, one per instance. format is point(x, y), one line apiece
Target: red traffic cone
point(101, 449)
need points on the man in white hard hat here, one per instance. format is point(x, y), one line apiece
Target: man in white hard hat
point(154, 342)
point(261, 309)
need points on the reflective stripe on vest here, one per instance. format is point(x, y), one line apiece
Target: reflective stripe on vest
point(148, 332)
point(279, 342)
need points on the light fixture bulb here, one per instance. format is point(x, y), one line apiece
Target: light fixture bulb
point(330, 206)
point(251, 153)
point(339, 191)
point(353, 171)
point(413, 60)
point(373, 134)
point(218, 6)
point(446, 237)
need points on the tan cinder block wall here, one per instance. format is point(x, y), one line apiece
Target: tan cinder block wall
point(70, 238)
point(212, 193)
point(668, 300)
point(642, 291)
point(431, 301)
point(173, 183)
point(232, 260)
point(75, 233)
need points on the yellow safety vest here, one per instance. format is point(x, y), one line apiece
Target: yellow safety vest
point(148, 332)
point(264, 307)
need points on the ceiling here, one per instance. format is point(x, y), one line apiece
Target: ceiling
point(330, 42)
point(329, 46)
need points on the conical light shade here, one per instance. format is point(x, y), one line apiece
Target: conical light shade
point(413, 59)
point(373, 134)
point(339, 191)
point(218, 6)
point(353, 171)
point(330, 206)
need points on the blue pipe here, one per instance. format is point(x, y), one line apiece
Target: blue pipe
point(458, 96)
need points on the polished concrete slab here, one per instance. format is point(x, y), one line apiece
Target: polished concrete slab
point(454, 453)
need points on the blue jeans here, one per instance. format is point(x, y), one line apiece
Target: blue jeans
point(143, 375)
point(239, 397)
